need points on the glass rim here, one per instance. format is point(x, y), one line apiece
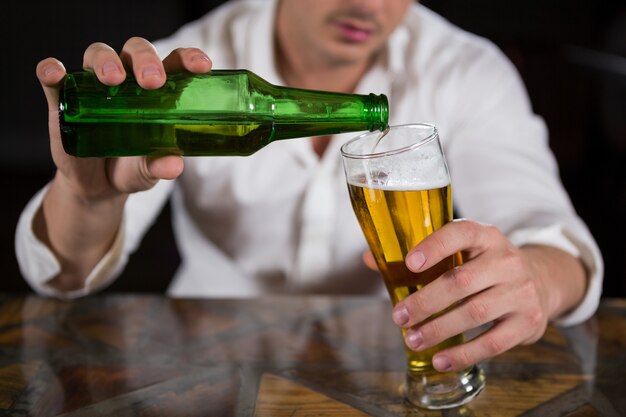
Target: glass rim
point(419, 143)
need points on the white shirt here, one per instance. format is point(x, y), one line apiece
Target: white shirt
point(280, 221)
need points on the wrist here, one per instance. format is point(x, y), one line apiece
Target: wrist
point(78, 229)
point(561, 277)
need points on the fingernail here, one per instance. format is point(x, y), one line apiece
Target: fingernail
point(415, 260)
point(109, 67)
point(400, 316)
point(441, 363)
point(150, 71)
point(200, 57)
point(414, 340)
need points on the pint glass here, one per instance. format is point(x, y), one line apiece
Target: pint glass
point(400, 190)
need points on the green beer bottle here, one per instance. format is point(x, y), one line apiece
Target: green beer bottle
point(224, 112)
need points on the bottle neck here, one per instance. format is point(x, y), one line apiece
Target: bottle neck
point(378, 112)
point(302, 113)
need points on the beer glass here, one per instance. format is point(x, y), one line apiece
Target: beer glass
point(400, 190)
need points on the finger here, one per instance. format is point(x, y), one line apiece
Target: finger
point(135, 174)
point(166, 167)
point(369, 260)
point(460, 235)
point(451, 287)
point(105, 63)
point(50, 73)
point(187, 59)
point(140, 55)
point(500, 338)
point(472, 313)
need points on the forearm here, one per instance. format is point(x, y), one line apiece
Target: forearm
point(77, 230)
point(562, 276)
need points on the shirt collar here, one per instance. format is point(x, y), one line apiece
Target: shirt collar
point(258, 55)
point(258, 51)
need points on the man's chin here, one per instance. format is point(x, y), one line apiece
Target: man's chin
point(351, 55)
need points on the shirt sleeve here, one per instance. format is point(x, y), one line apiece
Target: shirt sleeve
point(39, 265)
point(37, 262)
point(504, 173)
point(577, 242)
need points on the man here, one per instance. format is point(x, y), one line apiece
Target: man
point(280, 220)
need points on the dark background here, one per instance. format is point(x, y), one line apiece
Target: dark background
point(571, 55)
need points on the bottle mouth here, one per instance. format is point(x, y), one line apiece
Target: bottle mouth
point(379, 117)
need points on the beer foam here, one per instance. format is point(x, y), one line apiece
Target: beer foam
point(410, 172)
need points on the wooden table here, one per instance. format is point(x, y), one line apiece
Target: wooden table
point(129, 355)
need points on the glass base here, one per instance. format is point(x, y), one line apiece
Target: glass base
point(435, 391)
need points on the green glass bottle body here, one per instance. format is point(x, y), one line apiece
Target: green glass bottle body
point(222, 113)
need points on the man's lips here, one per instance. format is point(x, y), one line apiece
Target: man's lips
point(353, 32)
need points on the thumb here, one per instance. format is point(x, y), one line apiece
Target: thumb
point(50, 73)
point(166, 167)
point(140, 173)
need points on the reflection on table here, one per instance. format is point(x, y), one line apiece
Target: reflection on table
point(129, 355)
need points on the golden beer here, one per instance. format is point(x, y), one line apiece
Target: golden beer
point(399, 186)
point(394, 221)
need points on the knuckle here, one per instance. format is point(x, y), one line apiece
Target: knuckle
point(440, 244)
point(492, 230)
point(528, 290)
point(464, 358)
point(534, 313)
point(537, 318)
point(484, 232)
point(493, 345)
point(432, 332)
point(418, 304)
point(471, 229)
point(478, 311)
point(513, 260)
point(462, 278)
